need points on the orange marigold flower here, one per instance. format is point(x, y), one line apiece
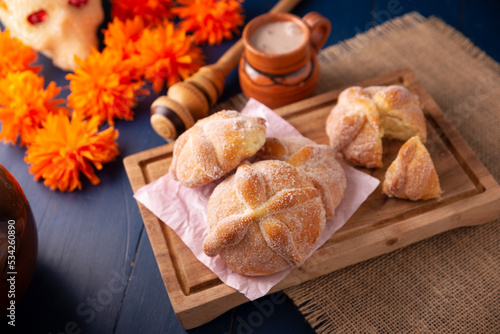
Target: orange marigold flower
point(210, 20)
point(122, 35)
point(24, 104)
point(103, 85)
point(167, 54)
point(63, 148)
point(15, 56)
point(152, 11)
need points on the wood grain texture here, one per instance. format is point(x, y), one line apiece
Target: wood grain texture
point(65, 246)
point(380, 225)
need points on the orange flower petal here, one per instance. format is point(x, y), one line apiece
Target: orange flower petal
point(105, 86)
point(24, 104)
point(210, 21)
point(151, 11)
point(167, 54)
point(15, 56)
point(122, 35)
point(64, 148)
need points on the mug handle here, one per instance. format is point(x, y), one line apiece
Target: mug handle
point(320, 28)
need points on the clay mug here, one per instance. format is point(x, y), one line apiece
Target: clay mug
point(277, 74)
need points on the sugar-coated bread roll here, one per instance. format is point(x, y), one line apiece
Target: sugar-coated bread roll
point(362, 116)
point(264, 219)
point(317, 161)
point(214, 146)
point(412, 174)
point(353, 127)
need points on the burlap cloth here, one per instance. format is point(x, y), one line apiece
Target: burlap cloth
point(449, 283)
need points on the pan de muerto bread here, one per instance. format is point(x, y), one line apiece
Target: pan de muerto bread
point(264, 219)
point(317, 161)
point(412, 174)
point(214, 146)
point(362, 116)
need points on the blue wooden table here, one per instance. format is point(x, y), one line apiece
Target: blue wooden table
point(96, 271)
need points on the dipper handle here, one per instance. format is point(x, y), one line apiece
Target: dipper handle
point(191, 99)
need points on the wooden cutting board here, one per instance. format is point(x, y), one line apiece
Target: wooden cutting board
point(470, 197)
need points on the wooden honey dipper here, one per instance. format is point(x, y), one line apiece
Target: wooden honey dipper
point(191, 99)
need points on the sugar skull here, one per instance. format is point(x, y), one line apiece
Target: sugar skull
point(60, 29)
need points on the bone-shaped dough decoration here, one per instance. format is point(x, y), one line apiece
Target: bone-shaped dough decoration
point(264, 219)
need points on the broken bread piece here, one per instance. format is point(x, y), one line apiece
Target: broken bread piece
point(400, 112)
point(412, 174)
point(362, 116)
point(353, 127)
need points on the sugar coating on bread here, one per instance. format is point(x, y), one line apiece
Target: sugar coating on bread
point(317, 161)
point(264, 219)
point(214, 146)
point(412, 174)
point(354, 130)
point(362, 116)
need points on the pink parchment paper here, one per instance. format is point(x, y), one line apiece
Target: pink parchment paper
point(185, 209)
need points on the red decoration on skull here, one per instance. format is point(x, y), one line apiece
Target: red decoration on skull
point(37, 17)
